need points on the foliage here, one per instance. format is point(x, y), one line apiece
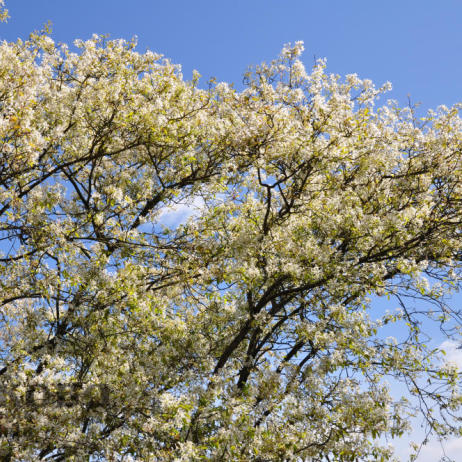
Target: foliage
point(243, 332)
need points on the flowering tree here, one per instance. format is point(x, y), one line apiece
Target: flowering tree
point(241, 333)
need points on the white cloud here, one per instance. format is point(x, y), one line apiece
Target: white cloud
point(453, 352)
point(180, 212)
point(434, 451)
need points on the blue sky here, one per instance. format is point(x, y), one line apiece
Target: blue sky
point(416, 45)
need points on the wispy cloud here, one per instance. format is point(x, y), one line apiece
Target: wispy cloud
point(434, 451)
point(180, 212)
point(453, 352)
point(451, 449)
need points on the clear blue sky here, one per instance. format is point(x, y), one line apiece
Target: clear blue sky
point(416, 45)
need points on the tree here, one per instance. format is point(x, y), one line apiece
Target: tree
point(242, 333)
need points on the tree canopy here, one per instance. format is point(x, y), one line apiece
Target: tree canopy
point(242, 333)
